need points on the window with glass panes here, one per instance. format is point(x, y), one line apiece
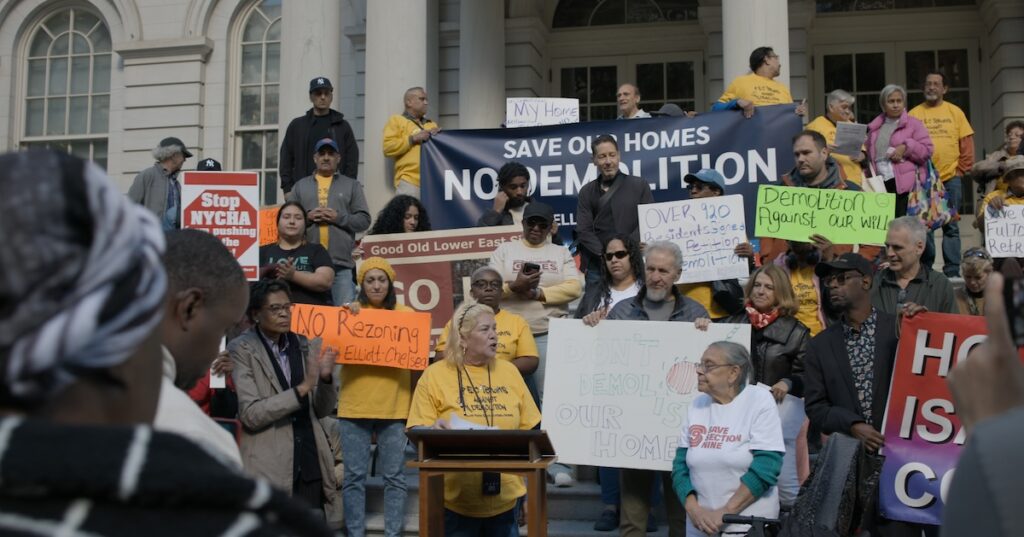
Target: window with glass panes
point(67, 85)
point(862, 75)
point(259, 78)
point(669, 82)
point(595, 88)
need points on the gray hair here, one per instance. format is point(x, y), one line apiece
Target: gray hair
point(738, 355)
point(911, 224)
point(164, 152)
point(484, 270)
point(839, 96)
point(664, 246)
point(889, 90)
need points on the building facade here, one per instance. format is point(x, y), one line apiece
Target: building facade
point(107, 79)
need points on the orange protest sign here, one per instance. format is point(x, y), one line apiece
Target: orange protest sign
point(372, 337)
point(268, 225)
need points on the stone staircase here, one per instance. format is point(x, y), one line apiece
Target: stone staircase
point(571, 510)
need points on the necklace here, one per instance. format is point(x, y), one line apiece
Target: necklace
point(462, 401)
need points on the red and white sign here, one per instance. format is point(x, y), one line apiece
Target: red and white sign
point(224, 204)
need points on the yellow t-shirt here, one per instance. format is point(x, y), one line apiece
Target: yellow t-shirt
point(807, 299)
point(1007, 200)
point(375, 392)
point(503, 395)
point(514, 337)
point(323, 187)
point(701, 292)
point(947, 125)
point(851, 170)
point(756, 89)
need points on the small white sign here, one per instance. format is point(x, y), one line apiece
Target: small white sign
point(538, 111)
point(616, 394)
point(707, 230)
point(1004, 231)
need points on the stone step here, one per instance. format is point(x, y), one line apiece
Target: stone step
point(578, 501)
point(556, 528)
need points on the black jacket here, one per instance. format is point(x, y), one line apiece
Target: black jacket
point(777, 351)
point(296, 159)
point(596, 221)
point(829, 395)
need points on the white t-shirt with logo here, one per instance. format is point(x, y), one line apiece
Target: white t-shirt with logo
point(720, 439)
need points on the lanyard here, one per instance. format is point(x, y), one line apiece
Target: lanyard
point(483, 409)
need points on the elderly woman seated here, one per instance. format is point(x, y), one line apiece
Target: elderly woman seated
point(731, 445)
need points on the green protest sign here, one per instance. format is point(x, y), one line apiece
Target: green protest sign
point(841, 216)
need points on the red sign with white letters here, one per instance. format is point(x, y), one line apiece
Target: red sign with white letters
point(224, 204)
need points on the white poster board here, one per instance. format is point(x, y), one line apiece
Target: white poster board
point(707, 230)
point(225, 205)
point(1004, 231)
point(616, 394)
point(537, 111)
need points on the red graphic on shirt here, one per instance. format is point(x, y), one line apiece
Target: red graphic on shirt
point(696, 434)
point(716, 437)
point(682, 378)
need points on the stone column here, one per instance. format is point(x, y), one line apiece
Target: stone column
point(401, 52)
point(481, 64)
point(1003, 65)
point(748, 24)
point(310, 31)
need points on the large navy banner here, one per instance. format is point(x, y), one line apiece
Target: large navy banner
point(459, 168)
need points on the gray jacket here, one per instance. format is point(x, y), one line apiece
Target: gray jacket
point(687, 309)
point(347, 199)
point(149, 189)
point(265, 410)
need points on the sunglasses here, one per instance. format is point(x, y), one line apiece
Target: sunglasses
point(841, 277)
point(538, 224)
point(980, 254)
point(617, 255)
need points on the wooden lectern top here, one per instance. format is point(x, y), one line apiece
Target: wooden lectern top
point(496, 446)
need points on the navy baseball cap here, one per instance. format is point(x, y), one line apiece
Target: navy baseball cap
point(324, 143)
point(707, 176)
point(843, 263)
point(208, 165)
point(320, 82)
point(536, 209)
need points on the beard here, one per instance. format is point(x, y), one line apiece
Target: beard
point(657, 295)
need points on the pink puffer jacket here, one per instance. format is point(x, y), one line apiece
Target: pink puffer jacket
point(914, 134)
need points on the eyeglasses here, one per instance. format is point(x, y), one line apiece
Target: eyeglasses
point(704, 368)
point(841, 277)
point(487, 284)
point(538, 223)
point(278, 309)
point(617, 255)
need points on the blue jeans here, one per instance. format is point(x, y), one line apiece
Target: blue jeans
point(343, 290)
point(503, 525)
point(950, 234)
point(355, 450)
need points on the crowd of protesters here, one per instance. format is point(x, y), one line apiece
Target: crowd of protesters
point(117, 315)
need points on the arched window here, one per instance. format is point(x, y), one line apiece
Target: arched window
point(575, 13)
point(67, 85)
point(259, 70)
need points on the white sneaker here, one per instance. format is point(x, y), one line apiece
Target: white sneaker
point(564, 479)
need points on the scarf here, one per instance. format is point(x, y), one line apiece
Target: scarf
point(760, 320)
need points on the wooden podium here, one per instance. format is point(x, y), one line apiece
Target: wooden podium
point(523, 453)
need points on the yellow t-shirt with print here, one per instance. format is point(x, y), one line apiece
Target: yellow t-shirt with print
point(514, 337)
point(947, 125)
point(701, 292)
point(807, 299)
point(756, 89)
point(323, 188)
point(851, 170)
point(504, 402)
point(375, 392)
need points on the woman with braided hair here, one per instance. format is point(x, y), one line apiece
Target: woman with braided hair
point(82, 290)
